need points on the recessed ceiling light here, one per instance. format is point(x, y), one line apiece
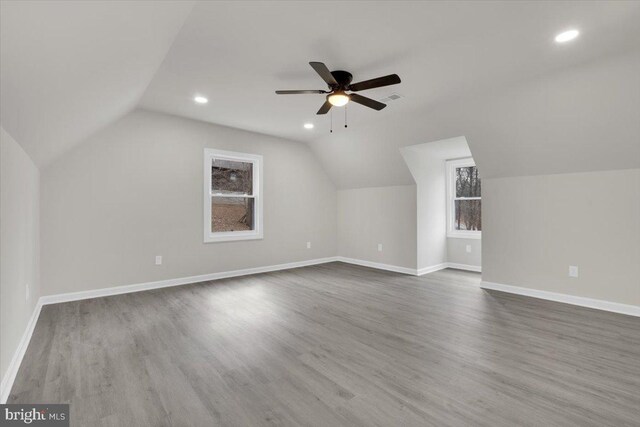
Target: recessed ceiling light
point(308, 125)
point(567, 36)
point(201, 99)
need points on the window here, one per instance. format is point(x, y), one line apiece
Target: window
point(232, 196)
point(464, 205)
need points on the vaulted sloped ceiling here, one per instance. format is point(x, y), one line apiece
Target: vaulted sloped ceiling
point(488, 71)
point(585, 118)
point(68, 68)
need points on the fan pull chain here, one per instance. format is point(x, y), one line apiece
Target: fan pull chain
point(345, 116)
point(331, 127)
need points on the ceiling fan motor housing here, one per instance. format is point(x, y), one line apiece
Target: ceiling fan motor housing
point(339, 81)
point(343, 78)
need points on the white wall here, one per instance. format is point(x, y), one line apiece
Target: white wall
point(19, 245)
point(134, 191)
point(536, 226)
point(457, 250)
point(427, 163)
point(387, 215)
point(428, 173)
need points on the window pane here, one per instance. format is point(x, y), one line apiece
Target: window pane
point(467, 182)
point(228, 176)
point(467, 215)
point(232, 214)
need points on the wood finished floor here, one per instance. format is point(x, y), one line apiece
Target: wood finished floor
point(333, 344)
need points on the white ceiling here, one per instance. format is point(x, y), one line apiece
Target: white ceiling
point(445, 149)
point(69, 68)
point(584, 118)
point(238, 53)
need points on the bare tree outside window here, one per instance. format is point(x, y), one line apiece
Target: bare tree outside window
point(464, 199)
point(467, 202)
point(232, 196)
point(232, 202)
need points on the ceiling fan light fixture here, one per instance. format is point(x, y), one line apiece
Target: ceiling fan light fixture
point(338, 82)
point(338, 99)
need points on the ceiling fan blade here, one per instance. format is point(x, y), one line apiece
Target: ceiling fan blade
point(391, 79)
point(324, 73)
point(325, 108)
point(296, 92)
point(367, 102)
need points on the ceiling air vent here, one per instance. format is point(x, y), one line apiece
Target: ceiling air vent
point(392, 97)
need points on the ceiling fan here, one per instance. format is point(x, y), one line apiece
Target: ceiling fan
point(339, 83)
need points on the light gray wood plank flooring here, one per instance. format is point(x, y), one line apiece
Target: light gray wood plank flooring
point(334, 344)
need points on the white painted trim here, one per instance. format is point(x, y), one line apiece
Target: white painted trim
point(379, 266)
point(406, 270)
point(442, 266)
point(117, 290)
point(467, 267)
point(10, 376)
point(451, 166)
point(256, 161)
point(431, 269)
point(631, 310)
point(461, 234)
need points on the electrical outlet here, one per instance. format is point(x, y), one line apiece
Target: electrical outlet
point(27, 291)
point(468, 249)
point(379, 247)
point(158, 259)
point(573, 271)
point(308, 245)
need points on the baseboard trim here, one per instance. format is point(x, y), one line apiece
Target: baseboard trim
point(407, 270)
point(117, 290)
point(16, 360)
point(431, 269)
point(467, 267)
point(379, 266)
point(442, 266)
point(631, 310)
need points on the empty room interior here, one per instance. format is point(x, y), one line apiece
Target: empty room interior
point(322, 213)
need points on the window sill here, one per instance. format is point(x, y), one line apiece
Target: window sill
point(465, 235)
point(232, 237)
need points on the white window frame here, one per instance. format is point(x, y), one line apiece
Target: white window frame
point(226, 236)
point(451, 166)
